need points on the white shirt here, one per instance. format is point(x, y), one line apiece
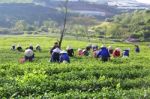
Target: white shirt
point(28, 53)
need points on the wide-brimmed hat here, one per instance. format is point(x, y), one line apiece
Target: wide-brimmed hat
point(57, 50)
point(63, 52)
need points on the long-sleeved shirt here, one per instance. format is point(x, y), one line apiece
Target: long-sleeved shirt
point(103, 52)
point(64, 57)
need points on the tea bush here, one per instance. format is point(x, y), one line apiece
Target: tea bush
point(83, 78)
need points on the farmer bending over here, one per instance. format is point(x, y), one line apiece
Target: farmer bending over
point(94, 47)
point(19, 48)
point(137, 49)
point(13, 47)
point(104, 54)
point(86, 51)
point(80, 52)
point(117, 53)
point(38, 48)
point(55, 55)
point(56, 45)
point(126, 52)
point(95, 52)
point(64, 57)
point(70, 51)
point(31, 47)
point(29, 55)
point(110, 49)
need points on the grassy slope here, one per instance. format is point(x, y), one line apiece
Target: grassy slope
point(83, 78)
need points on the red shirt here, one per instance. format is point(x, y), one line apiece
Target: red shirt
point(116, 53)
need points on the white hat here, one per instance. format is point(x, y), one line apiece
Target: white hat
point(57, 50)
point(63, 52)
point(28, 52)
point(110, 47)
point(68, 47)
point(102, 46)
point(127, 49)
point(79, 49)
point(83, 50)
point(118, 49)
point(30, 44)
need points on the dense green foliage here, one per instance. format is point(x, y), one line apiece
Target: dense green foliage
point(85, 77)
point(135, 25)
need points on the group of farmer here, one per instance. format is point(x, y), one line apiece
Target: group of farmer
point(63, 56)
point(28, 53)
point(105, 53)
point(58, 55)
point(20, 49)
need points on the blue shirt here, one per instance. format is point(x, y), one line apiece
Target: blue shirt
point(103, 52)
point(64, 57)
point(126, 53)
point(137, 49)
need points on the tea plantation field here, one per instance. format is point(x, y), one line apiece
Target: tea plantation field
point(83, 78)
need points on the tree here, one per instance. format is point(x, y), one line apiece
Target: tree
point(85, 22)
point(64, 22)
point(20, 25)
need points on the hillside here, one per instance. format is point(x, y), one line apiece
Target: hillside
point(16, 1)
point(10, 13)
point(86, 8)
point(134, 25)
